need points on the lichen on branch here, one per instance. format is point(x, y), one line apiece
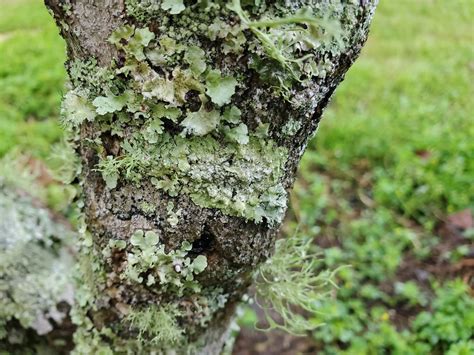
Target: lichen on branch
point(190, 119)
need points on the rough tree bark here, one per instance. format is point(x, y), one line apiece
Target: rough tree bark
point(190, 119)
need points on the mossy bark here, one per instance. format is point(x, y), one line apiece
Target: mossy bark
point(233, 244)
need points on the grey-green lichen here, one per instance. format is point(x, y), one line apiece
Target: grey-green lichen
point(291, 279)
point(206, 102)
point(291, 127)
point(172, 109)
point(173, 216)
point(289, 40)
point(173, 270)
point(157, 326)
point(34, 267)
point(155, 329)
point(241, 180)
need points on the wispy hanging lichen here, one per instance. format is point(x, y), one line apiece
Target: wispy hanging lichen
point(156, 326)
point(290, 284)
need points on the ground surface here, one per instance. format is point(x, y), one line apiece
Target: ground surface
point(386, 187)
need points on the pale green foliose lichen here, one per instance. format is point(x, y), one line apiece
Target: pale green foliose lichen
point(242, 181)
point(173, 216)
point(172, 106)
point(147, 207)
point(173, 270)
point(239, 179)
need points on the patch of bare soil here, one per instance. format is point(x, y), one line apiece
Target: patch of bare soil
point(252, 342)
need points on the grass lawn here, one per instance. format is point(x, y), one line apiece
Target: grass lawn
point(386, 186)
point(31, 77)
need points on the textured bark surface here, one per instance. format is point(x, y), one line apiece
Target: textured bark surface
point(233, 245)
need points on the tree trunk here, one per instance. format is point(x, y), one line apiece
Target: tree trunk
point(190, 120)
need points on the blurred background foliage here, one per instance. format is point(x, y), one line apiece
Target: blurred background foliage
point(387, 186)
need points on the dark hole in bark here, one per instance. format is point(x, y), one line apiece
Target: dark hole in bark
point(111, 144)
point(193, 101)
point(204, 244)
